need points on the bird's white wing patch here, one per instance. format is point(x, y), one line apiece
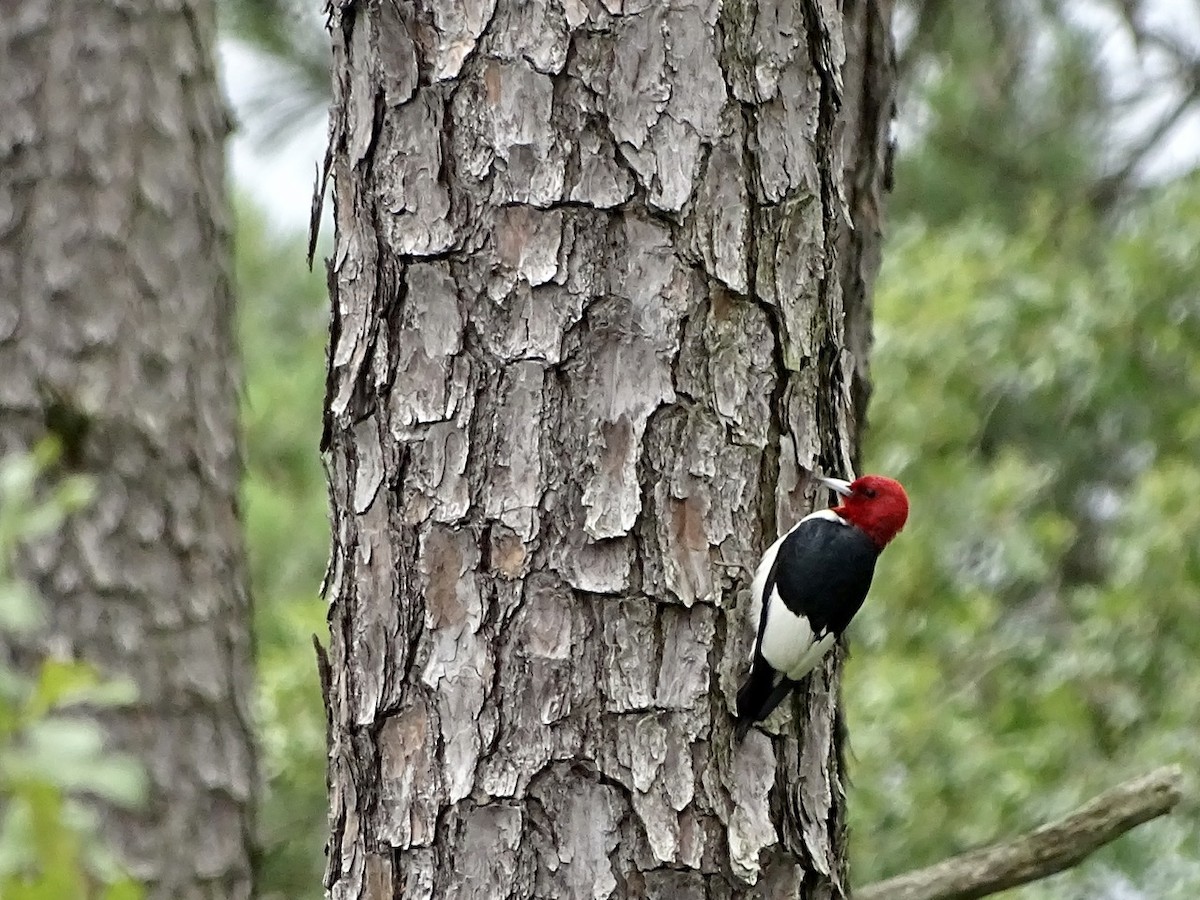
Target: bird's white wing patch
point(759, 584)
point(789, 645)
point(807, 661)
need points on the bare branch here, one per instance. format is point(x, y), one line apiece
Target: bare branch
point(1050, 849)
point(1109, 188)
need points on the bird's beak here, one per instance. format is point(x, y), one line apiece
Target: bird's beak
point(837, 485)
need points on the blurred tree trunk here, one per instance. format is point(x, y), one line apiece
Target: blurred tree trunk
point(593, 287)
point(116, 336)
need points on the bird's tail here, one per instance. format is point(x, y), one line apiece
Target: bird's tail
point(758, 696)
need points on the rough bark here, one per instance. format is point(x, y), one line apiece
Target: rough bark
point(116, 336)
point(592, 292)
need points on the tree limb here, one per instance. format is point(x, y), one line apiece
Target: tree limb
point(1050, 849)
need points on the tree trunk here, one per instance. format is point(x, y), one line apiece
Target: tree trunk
point(593, 288)
point(116, 336)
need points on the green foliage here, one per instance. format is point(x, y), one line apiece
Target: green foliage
point(51, 753)
point(1036, 632)
point(1008, 105)
point(283, 326)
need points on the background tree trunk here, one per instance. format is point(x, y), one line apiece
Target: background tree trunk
point(116, 334)
point(592, 292)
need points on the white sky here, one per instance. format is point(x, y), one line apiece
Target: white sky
point(280, 176)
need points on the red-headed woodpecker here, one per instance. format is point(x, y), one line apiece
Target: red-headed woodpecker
point(809, 585)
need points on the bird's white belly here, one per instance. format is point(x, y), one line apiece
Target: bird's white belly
point(788, 643)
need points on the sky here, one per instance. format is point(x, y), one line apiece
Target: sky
point(279, 175)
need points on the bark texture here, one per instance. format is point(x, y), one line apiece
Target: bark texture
point(116, 335)
point(593, 287)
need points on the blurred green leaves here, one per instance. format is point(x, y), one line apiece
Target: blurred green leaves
point(283, 321)
point(1035, 631)
point(52, 754)
point(1008, 105)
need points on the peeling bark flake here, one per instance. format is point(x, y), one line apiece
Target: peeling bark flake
point(528, 240)
point(684, 671)
point(429, 337)
point(580, 832)
point(637, 90)
point(459, 666)
point(529, 165)
point(369, 473)
point(458, 26)
point(410, 787)
point(415, 202)
point(631, 660)
point(392, 43)
point(491, 838)
point(750, 826)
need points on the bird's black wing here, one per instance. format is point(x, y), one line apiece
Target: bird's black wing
point(823, 571)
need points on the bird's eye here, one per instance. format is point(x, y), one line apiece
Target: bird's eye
point(869, 493)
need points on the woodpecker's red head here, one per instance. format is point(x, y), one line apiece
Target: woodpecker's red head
point(876, 504)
